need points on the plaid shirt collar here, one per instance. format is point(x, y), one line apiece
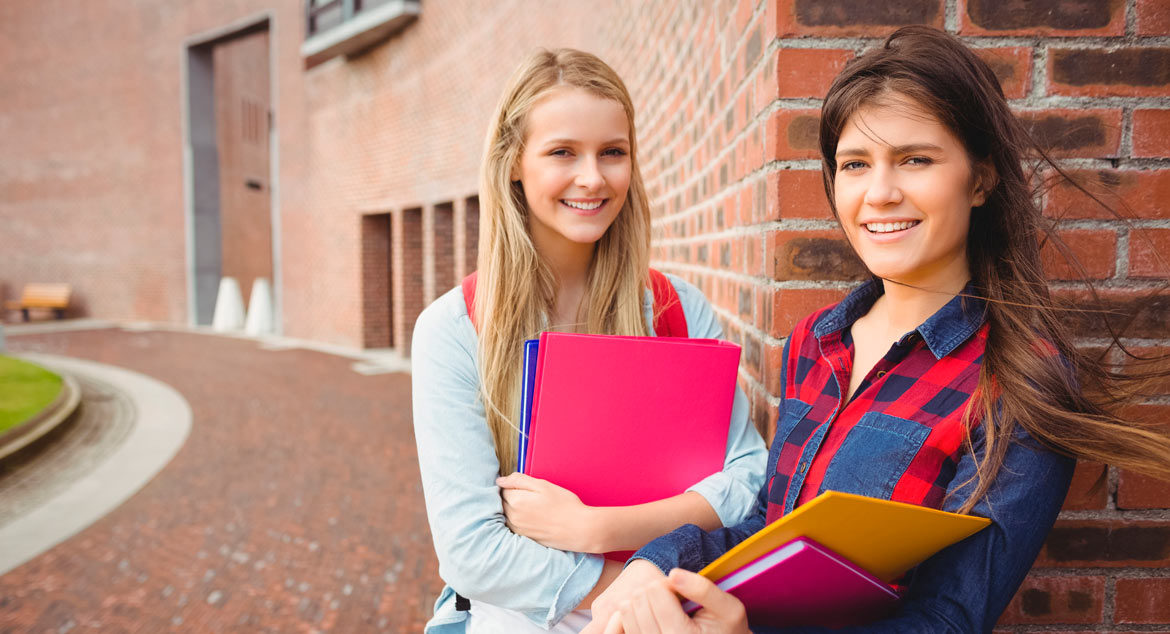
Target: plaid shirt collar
point(942, 332)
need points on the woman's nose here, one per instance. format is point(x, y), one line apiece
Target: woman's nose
point(883, 188)
point(588, 174)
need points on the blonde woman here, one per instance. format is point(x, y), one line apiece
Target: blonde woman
point(564, 245)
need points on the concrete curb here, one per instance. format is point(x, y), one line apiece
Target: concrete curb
point(44, 421)
point(162, 424)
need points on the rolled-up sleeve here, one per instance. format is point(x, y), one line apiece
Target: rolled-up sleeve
point(967, 586)
point(479, 557)
point(731, 492)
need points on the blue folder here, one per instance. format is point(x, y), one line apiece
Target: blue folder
point(531, 347)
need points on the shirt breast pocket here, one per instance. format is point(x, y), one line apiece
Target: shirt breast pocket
point(875, 455)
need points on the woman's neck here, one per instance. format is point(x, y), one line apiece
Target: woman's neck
point(903, 308)
point(569, 262)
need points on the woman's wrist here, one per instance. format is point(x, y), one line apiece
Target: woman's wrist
point(599, 524)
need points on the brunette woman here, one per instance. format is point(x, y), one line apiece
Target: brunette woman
point(948, 380)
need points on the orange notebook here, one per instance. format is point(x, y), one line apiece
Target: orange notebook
point(629, 420)
point(883, 537)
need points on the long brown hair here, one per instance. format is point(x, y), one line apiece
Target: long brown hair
point(1021, 384)
point(516, 289)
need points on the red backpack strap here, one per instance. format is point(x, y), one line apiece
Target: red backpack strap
point(469, 297)
point(669, 319)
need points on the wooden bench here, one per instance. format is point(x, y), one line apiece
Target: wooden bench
point(49, 296)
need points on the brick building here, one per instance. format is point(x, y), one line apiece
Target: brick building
point(150, 147)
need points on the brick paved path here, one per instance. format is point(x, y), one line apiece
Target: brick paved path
point(294, 506)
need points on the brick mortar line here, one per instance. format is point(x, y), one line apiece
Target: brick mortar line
point(801, 224)
point(1127, 129)
point(1132, 515)
point(1129, 572)
point(1137, 284)
point(1139, 342)
point(1109, 601)
point(1131, 18)
point(1122, 164)
point(1045, 101)
point(1113, 481)
point(1118, 224)
point(1111, 102)
point(1121, 264)
point(1065, 628)
point(1108, 42)
point(951, 21)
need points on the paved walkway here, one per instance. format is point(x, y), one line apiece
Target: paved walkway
point(293, 506)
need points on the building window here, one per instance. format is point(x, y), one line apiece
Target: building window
point(348, 27)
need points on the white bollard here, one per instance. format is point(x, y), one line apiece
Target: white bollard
point(259, 320)
point(229, 307)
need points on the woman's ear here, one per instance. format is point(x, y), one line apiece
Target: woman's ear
point(984, 182)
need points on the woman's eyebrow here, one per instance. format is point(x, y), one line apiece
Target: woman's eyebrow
point(909, 148)
point(621, 140)
point(916, 147)
point(852, 151)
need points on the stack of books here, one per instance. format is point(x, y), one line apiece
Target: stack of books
point(627, 420)
point(829, 563)
point(622, 421)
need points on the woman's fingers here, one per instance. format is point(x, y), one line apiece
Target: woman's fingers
point(614, 626)
point(643, 614)
point(518, 480)
point(716, 603)
point(667, 610)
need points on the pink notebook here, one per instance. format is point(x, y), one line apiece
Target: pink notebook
point(628, 420)
point(805, 584)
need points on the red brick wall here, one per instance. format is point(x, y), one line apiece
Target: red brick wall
point(91, 183)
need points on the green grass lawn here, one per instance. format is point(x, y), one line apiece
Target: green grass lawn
point(25, 389)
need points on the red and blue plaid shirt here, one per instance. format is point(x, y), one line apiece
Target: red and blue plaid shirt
point(901, 435)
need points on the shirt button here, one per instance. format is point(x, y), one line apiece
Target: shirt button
point(803, 466)
point(881, 373)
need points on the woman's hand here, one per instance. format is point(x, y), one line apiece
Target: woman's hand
point(655, 608)
point(549, 514)
point(637, 575)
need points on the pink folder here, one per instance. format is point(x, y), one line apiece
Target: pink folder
point(805, 584)
point(628, 420)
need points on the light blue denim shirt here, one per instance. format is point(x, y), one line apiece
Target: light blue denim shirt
point(478, 555)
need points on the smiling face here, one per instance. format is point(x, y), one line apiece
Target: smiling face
point(575, 168)
point(904, 190)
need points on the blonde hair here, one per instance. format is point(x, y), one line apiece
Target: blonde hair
point(516, 289)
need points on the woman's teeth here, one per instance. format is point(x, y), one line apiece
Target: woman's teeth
point(584, 206)
point(890, 227)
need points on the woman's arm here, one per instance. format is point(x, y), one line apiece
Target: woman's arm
point(965, 587)
point(732, 491)
point(555, 517)
point(479, 557)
